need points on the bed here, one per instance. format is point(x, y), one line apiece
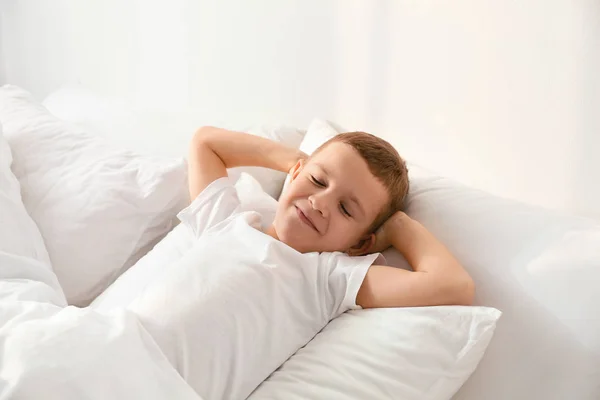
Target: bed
point(93, 176)
point(520, 256)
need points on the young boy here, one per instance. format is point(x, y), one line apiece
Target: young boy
point(247, 295)
point(346, 197)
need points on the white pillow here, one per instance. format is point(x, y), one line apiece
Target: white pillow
point(169, 250)
point(20, 235)
point(402, 353)
point(25, 270)
point(541, 269)
point(318, 132)
point(270, 180)
point(144, 130)
point(98, 208)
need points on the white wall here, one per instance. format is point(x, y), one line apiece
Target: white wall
point(2, 57)
point(503, 95)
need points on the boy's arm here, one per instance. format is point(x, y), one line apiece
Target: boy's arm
point(213, 150)
point(437, 279)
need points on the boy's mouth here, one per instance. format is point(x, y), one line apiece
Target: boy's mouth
point(305, 219)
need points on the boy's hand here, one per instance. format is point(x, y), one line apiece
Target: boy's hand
point(213, 150)
point(384, 237)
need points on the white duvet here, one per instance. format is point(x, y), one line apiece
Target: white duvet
point(49, 351)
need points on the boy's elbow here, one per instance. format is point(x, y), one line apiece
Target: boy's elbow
point(465, 291)
point(203, 134)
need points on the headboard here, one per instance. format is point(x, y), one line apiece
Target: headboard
point(502, 95)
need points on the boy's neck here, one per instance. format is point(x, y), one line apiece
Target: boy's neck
point(270, 230)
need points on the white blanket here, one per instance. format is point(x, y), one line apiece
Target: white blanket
point(50, 352)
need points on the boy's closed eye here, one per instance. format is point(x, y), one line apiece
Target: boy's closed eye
point(316, 181)
point(345, 210)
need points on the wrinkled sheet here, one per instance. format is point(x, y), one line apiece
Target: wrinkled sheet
point(49, 351)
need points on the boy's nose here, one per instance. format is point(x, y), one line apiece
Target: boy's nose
point(317, 204)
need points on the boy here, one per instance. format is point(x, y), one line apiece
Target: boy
point(247, 295)
point(346, 197)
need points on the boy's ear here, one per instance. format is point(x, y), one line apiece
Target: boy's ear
point(364, 246)
point(296, 169)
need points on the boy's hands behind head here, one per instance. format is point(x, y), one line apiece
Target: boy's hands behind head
point(384, 236)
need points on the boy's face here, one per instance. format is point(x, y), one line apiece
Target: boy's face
point(331, 202)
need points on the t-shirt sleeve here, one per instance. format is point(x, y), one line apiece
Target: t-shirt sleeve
point(346, 275)
point(217, 202)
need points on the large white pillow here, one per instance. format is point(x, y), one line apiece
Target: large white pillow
point(25, 270)
point(398, 353)
point(98, 208)
point(146, 130)
point(169, 250)
point(541, 269)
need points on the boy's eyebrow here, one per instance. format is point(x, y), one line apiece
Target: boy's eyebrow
point(353, 198)
point(322, 168)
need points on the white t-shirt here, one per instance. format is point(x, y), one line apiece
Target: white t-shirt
point(240, 303)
